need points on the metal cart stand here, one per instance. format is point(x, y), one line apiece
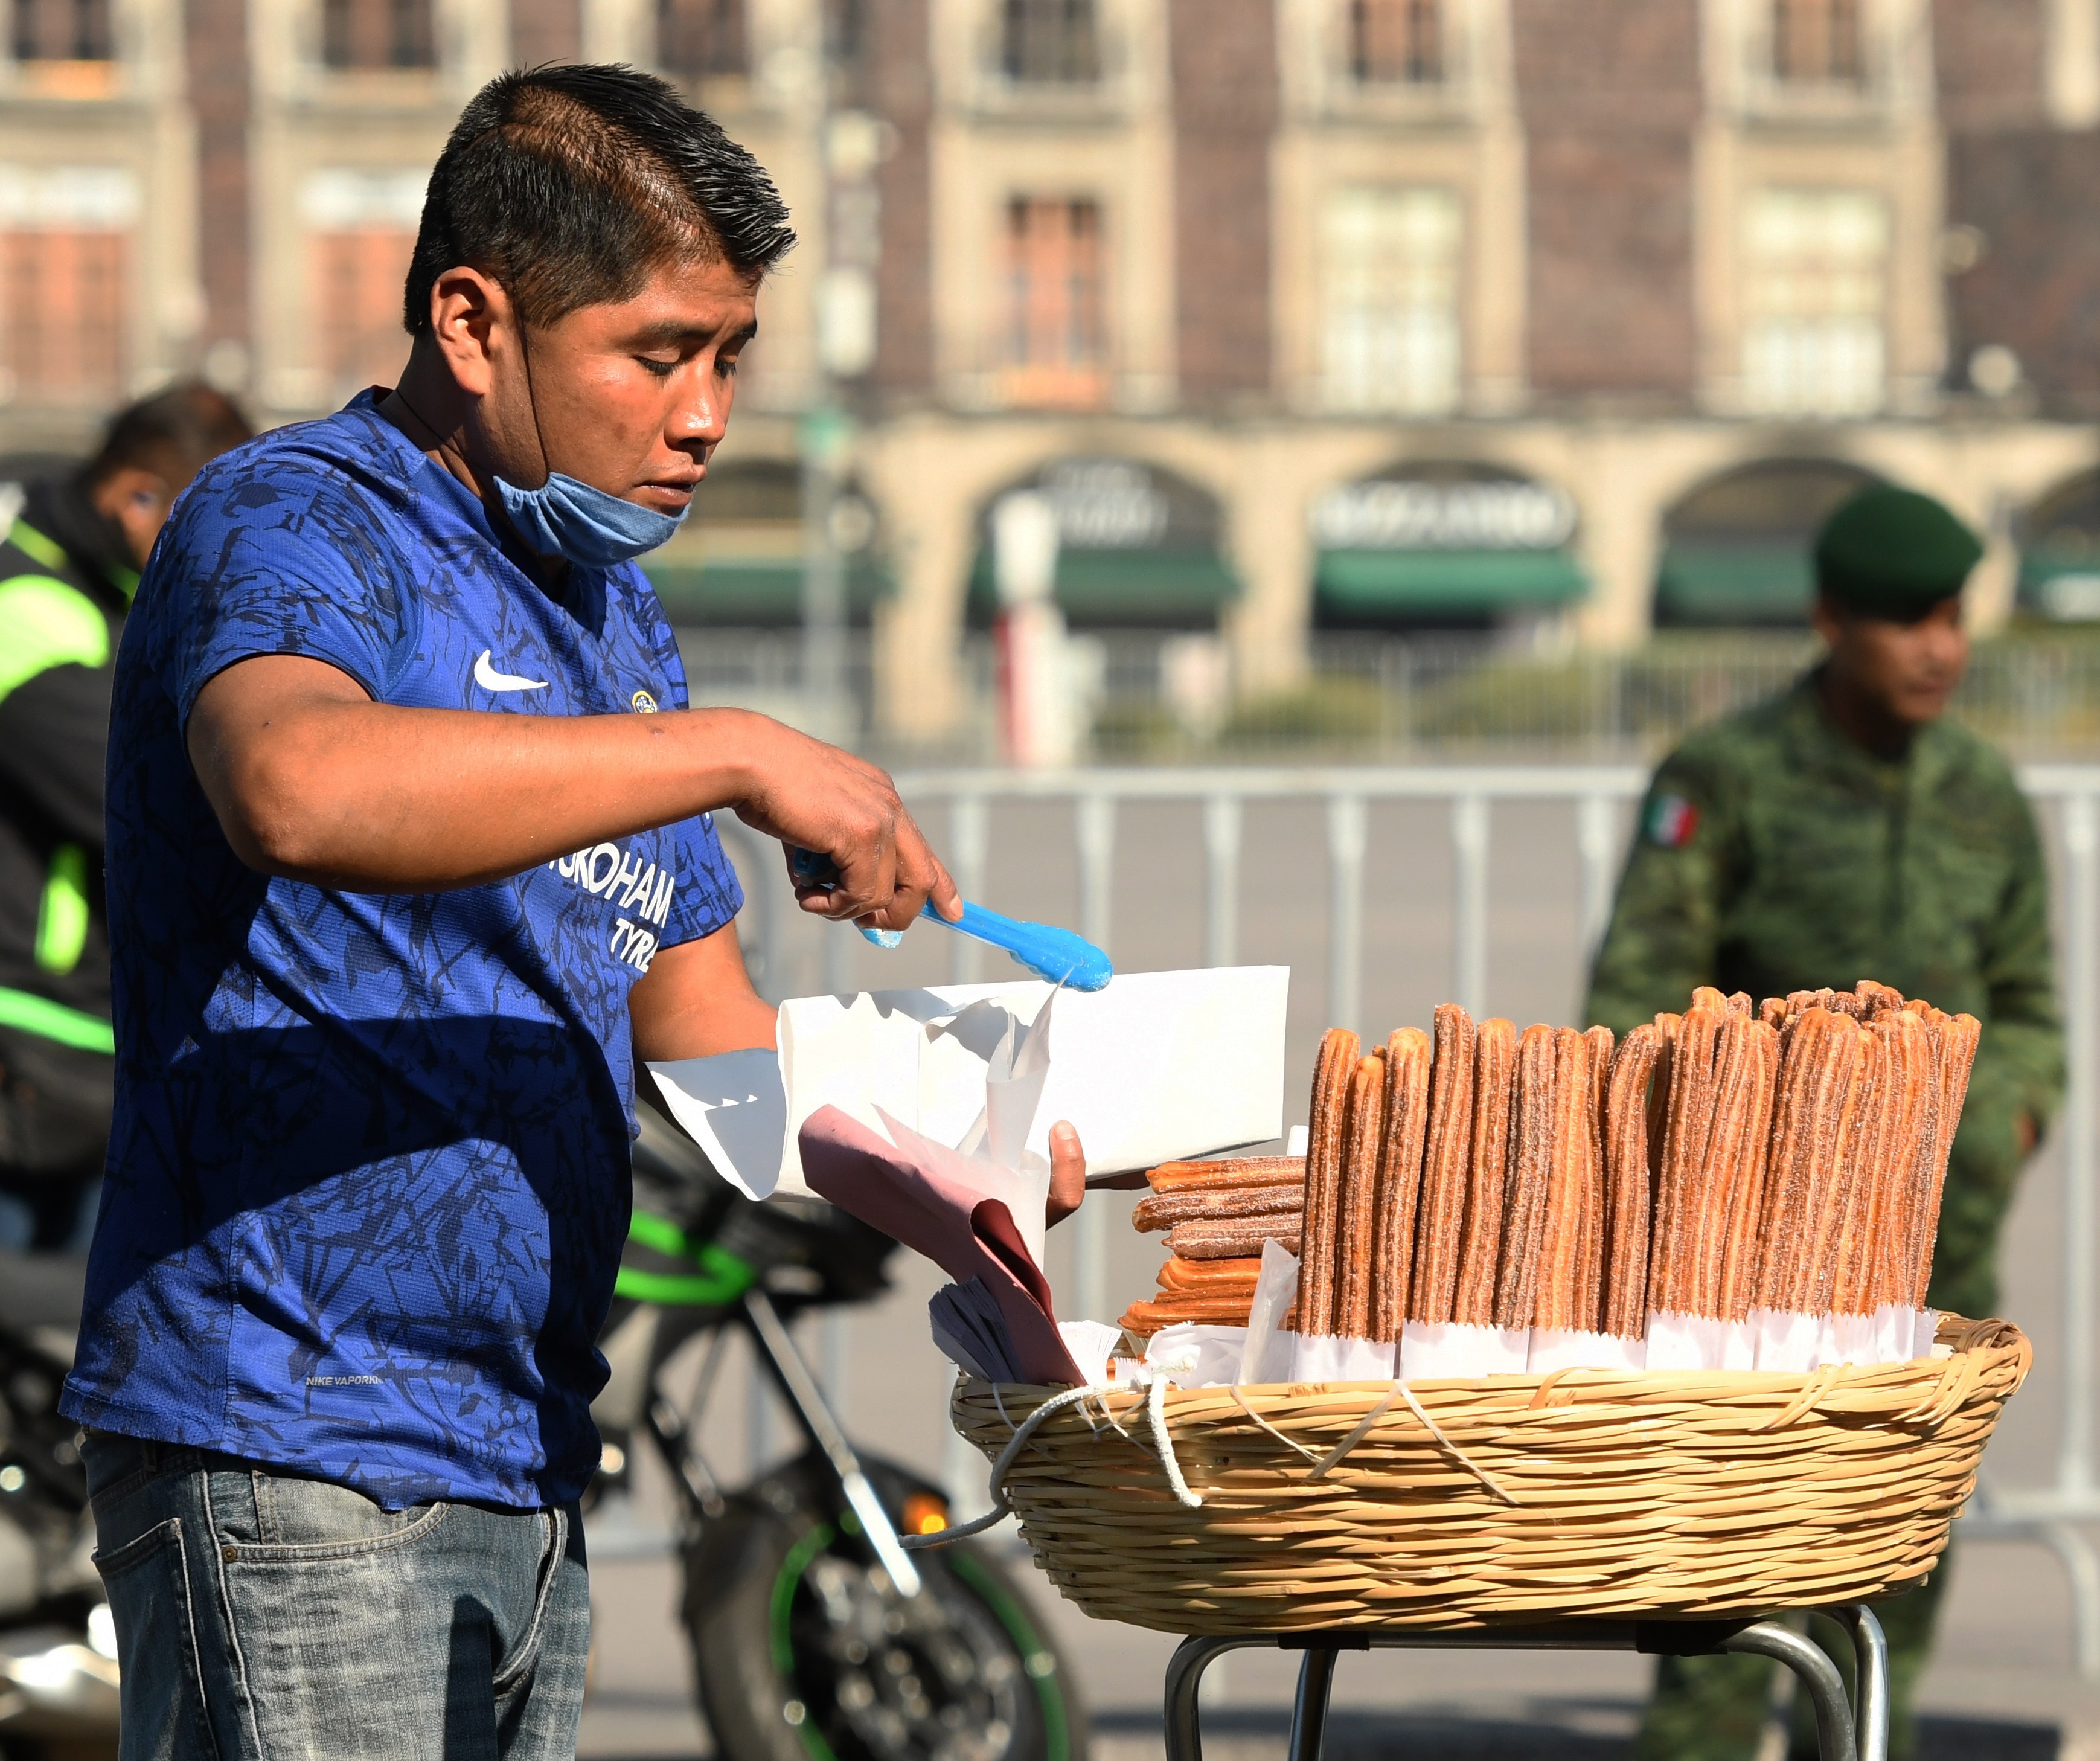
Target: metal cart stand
point(1847, 1728)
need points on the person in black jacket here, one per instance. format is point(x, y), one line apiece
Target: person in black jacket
point(68, 567)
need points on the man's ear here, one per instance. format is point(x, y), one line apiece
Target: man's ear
point(1830, 620)
point(467, 310)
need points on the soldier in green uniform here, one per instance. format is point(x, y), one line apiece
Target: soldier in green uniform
point(1843, 831)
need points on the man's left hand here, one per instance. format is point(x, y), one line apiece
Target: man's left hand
point(1068, 1172)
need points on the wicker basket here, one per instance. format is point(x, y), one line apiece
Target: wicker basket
point(1521, 1498)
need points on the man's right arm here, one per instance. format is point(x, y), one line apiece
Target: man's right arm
point(312, 780)
point(1663, 939)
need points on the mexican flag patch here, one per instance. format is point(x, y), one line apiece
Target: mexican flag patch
point(1672, 821)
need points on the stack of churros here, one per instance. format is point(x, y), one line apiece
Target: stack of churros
point(1215, 1215)
point(1737, 1185)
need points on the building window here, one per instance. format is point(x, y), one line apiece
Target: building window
point(360, 233)
point(63, 30)
point(701, 39)
point(1396, 42)
point(1390, 333)
point(365, 34)
point(1816, 42)
point(66, 242)
point(1056, 349)
point(1049, 42)
point(1814, 288)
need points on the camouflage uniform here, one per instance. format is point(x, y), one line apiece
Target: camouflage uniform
point(1774, 855)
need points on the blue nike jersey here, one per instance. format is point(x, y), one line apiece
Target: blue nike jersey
point(369, 1174)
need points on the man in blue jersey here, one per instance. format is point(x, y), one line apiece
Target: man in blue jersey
point(410, 859)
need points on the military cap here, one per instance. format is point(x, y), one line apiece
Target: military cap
point(1891, 552)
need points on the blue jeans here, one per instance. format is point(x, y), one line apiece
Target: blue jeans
point(263, 1616)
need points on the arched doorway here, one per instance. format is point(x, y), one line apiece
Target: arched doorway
point(2059, 539)
point(1738, 550)
point(1139, 548)
point(1450, 545)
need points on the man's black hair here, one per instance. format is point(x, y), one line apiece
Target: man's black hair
point(175, 432)
point(568, 185)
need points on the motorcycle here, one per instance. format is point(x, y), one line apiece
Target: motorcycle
point(815, 1634)
point(58, 1643)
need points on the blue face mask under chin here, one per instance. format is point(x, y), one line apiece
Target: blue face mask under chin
point(587, 526)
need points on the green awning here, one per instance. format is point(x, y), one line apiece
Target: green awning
point(759, 592)
point(2064, 587)
point(1375, 584)
point(1168, 589)
point(1719, 583)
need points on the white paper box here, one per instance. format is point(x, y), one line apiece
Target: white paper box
point(1565, 1349)
point(1157, 1066)
point(1216, 1351)
point(1322, 1358)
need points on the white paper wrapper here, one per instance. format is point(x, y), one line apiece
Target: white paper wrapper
point(1157, 1065)
point(1089, 1342)
point(1270, 1350)
point(1785, 1342)
point(1894, 1331)
point(1563, 1349)
point(1852, 1338)
point(1925, 1322)
point(1433, 1349)
point(1321, 1358)
point(1699, 1342)
point(1215, 1351)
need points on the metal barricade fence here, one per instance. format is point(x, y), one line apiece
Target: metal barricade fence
point(955, 806)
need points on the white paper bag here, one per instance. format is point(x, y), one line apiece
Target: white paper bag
point(1850, 1338)
point(1322, 1357)
point(1432, 1350)
point(1785, 1341)
point(1159, 1065)
point(1922, 1342)
point(1089, 1342)
point(1895, 1328)
point(1212, 1354)
point(1270, 1350)
point(1699, 1342)
point(1565, 1349)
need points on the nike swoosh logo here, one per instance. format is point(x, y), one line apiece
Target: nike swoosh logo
point(489, 679)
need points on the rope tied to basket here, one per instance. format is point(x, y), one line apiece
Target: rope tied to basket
point(1333, 1457)
point(1155, 1379)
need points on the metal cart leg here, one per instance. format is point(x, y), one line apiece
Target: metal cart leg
point(1309, 1711)
point(1835, 1739)
point(1870, 1710)
point(1184, 1679)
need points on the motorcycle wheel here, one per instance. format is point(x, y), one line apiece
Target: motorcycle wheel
point(803, 1652)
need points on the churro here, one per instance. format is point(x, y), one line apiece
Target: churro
point(1209, 1176)
point(1706, 997)
point(1878, 1232)
point(1772, 1012)
point(1815, 1089)
point(1494, 1081)
point(1407, 1054)
point(1357, 1225)
point(1331, 1078)
point(1743, 1197)
point(1841, 1164)
point(1532, 1146)
point(1182, 1277)
point(1446, 1158)
point(1627, 1183)
point(1239, 1240)
point(1958, 1036)
point(1658, 1100)
point(1569, 1236)
point(1146, 1318)
point(1162, 1210)
point(1673, 1261)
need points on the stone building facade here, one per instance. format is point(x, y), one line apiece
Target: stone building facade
point(1560, 317)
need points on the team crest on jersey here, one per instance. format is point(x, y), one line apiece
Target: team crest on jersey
point(643, 702)
point(1672, 821)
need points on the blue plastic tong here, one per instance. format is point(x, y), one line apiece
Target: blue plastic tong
point(1056, 954)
